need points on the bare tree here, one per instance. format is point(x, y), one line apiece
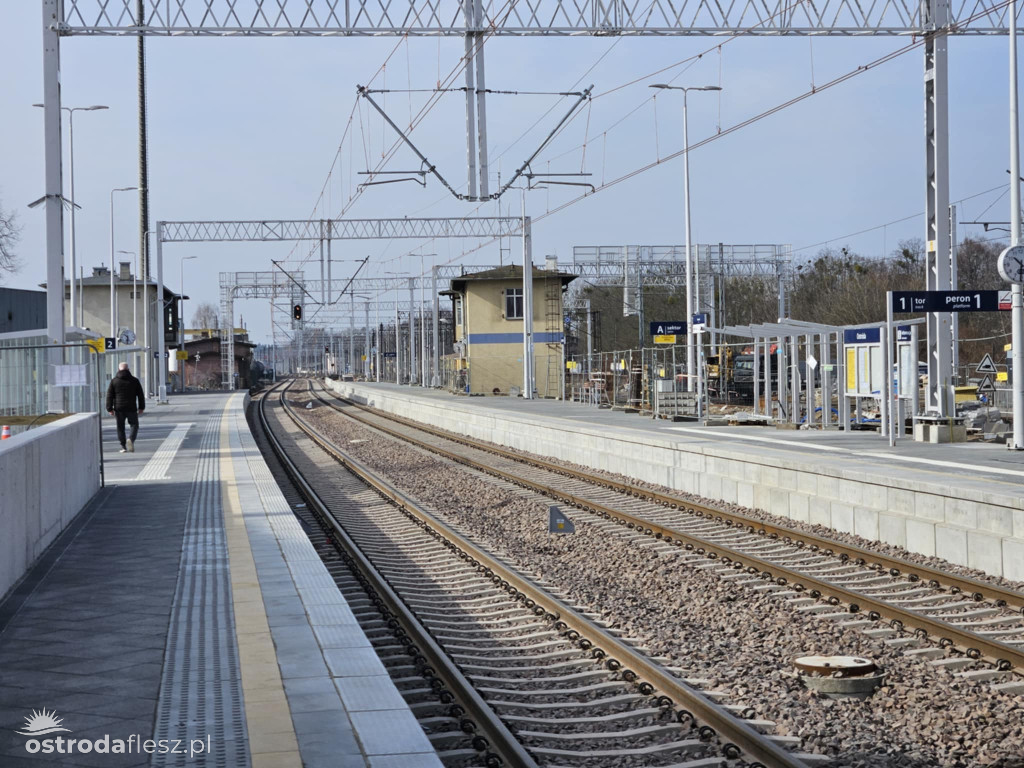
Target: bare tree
point(206, 316)
point(10, 233)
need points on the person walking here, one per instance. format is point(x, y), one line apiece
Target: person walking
point(122, 395)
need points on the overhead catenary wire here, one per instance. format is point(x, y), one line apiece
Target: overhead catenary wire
point(891, 223)
point(464, 61)
point(457, 69)
point(738, 126)
point(873, 64)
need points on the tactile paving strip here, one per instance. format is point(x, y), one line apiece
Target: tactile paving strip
point(201, 686)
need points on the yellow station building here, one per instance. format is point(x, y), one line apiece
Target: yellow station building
point(488, 313)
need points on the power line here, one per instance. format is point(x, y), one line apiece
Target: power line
point(892, 55)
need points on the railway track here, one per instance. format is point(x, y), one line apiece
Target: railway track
point(924, 609)
point(532, 679)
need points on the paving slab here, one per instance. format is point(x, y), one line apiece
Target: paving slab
point(182, 604)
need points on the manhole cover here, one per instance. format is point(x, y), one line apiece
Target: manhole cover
point(835, 666)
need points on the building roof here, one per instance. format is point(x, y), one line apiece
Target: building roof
point(101, 277)
point(509, 272)
point(242, 347)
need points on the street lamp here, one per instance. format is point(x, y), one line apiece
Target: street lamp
point(398, 331)
point(1016, 289)
point(113, 295)
point(690, 362)
point(181, 282)
point(424, 367)
point(135, 289)
point(74, 264)
point(135, 303)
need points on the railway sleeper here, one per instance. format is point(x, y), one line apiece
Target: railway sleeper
point(460, 635)
point(504, 602)
point(607, 701)
point(983, 675)
point(517, 658)
point(579, 690)
point(682, 745)
point(629, 733)
point(441, 740)
point(583, 661)
point(1004, 633)
point(925, 653)
point(448, 756)
point(1013, 688)
point(952, 662)
point(504, 614)
point(613, 717)
point(452, 647)
point(902, 642)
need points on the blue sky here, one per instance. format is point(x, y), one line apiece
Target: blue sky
point(248, 129)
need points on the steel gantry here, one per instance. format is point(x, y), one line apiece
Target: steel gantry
point(273, 284)
point(476, 20)
point(635, 267)
point(334, 18)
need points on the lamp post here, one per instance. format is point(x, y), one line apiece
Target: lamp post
point(181, 284)
point(424, 363)
point(75, 304)
point(135, 301)
point(113, 294)
point(398, 331)
point(1016, 289)
point(135, 289)
point(690, 351)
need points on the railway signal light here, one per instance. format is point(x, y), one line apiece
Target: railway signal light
point(297, 312)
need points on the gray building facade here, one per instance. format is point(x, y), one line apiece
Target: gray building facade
point(22, 310)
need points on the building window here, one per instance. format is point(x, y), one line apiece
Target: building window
point(513, 303)
point(458, 312)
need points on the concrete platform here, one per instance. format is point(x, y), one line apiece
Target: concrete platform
point(185, 607)
point(962, 502)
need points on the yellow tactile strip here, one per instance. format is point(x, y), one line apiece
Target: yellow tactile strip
point(272, 740)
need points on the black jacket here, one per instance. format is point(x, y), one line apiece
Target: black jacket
point(123, 391)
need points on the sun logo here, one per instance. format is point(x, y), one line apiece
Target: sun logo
point(42, 723)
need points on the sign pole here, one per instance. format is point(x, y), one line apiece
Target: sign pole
point(884, 393)
point(888, 371)
point(1016, 298)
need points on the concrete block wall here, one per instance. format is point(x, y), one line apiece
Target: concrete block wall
point(980, 529)
point(49, 474)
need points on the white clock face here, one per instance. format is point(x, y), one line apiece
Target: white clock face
point(127, 337)
point(1011, 264)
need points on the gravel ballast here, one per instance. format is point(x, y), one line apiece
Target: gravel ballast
point(710, 628)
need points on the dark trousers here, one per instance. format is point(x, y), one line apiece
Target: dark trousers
point(133, 421)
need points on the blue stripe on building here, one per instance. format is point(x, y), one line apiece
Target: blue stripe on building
point(513, 338)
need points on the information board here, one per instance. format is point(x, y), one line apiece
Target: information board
point(668, 328)
point(864, 368)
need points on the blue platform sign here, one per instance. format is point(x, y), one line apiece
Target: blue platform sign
point(965, 300)
point(668, 328)
point(903, 333)
point(862, 336)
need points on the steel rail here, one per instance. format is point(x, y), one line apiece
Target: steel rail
point(1003, 656)
point(979, 590)
point(740, 737)
point(501, 739)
